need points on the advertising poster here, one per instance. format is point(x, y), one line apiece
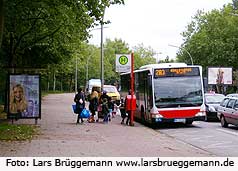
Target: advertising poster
point(24, 96)
point(220, 75)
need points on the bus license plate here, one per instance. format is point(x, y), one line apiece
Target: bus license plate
point(179, 120)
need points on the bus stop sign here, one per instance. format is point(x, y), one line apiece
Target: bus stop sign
point(123, 62)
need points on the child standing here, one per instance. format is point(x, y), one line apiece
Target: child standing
point(123, 111)
point(110, 107)
point(117, 106)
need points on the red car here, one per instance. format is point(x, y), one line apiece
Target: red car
point(227, 112)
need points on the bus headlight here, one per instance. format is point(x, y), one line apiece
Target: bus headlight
point(201, 113)
point(156, 116)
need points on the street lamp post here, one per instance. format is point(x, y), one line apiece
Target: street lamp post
point(87, 66)
point(157, 58)
point(102, 50)
point(102, 67)
point(76, 74)
point(185, 51)
point(87, 70)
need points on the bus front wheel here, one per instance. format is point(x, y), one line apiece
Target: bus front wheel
point(188, 122)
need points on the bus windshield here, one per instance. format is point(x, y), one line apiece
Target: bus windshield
point(178, 91)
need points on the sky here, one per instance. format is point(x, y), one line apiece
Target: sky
point(153, 23)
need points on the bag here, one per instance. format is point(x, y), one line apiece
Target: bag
point(85, 113)
point(96, 115)
point(74, 108)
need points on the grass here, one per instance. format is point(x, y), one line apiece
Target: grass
point(45, 93)
point(17, 132)
point(11, 132)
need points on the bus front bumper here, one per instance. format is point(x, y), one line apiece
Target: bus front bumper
point(183, 120)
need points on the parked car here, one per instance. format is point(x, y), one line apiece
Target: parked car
point(112, 92)
point(92, 84)
point(212, 101)
point(232, 95)
point(227, 112)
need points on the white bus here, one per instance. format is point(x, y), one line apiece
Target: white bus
point(167, 92)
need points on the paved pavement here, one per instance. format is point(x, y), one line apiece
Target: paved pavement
point(61, 137)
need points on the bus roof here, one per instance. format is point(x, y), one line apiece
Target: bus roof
point(163, 65)
point(150, 67)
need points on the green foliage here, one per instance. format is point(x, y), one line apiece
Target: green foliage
point(49, 34)
point(143, 56)
point(235, 4)
point(38, 33)
point(212, 38)
point(117, 46)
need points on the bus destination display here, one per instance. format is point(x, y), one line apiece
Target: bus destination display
point(173, 72)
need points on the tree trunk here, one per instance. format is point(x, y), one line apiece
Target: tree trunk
point(48, 82)
point(1, 21)
point(61, 83)
point(220, 88)
point(54, 80)
point(6, 95)
point(71, 83)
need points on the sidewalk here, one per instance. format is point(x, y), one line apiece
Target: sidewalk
point(61, 137)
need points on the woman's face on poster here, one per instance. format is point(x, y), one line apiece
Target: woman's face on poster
point(18, 93)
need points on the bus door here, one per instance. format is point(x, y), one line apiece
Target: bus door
point(147, 94)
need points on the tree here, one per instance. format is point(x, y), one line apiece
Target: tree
point(212, 38)
point(113, 47)
point(143, 55)
point(43, 30)
point(1, 21)
point(46, 34)
point(235, 4)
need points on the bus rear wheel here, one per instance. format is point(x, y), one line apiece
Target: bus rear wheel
point(143, 115)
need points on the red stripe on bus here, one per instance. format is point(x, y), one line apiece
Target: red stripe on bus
point(179, 113)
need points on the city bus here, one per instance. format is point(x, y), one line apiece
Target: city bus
point(167, 92)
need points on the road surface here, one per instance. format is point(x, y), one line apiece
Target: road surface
point(61, 137)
